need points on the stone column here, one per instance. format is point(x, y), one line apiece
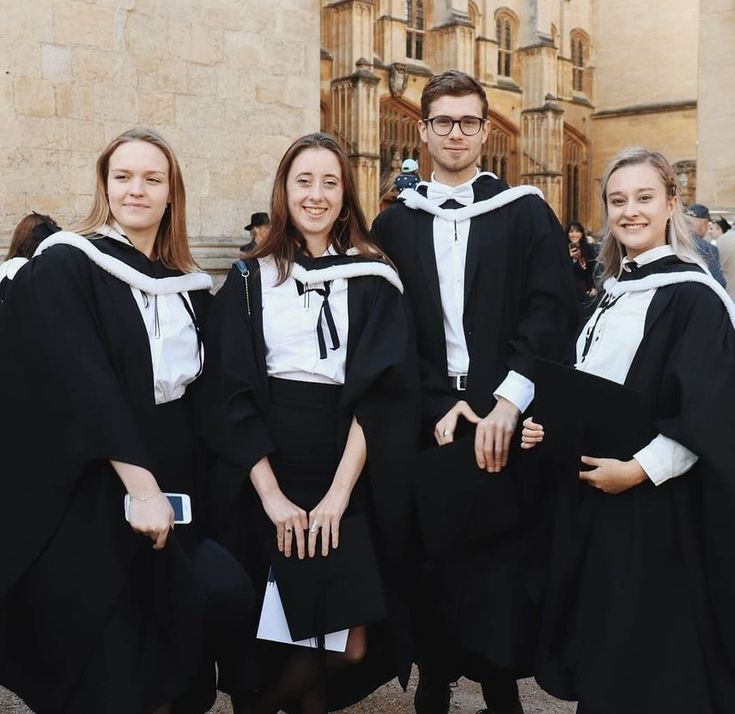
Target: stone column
point(542, 122)
point(354, 89)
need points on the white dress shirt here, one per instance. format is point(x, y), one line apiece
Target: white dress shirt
point(290, 325)
point(622, 326)
point(176, 354)
point(450, 249)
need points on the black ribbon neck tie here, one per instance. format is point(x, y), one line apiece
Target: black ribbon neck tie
point(325, 312)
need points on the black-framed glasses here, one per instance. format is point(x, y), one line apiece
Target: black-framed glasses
point(443, 126)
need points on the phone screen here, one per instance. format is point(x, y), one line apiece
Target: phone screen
point(177, 504)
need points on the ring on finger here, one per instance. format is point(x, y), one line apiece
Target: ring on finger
point(315, 527)
point(288, 529)
point(445, 432)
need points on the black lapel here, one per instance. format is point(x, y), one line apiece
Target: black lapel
point(424, 232)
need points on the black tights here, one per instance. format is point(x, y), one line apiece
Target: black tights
point(302, 680)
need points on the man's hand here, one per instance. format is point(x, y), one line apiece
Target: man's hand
point(493, 435)
point(447, 425)
point(612, 475)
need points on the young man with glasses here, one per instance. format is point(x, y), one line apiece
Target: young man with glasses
point(487, 274)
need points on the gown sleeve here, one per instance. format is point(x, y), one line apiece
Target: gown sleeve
point(64, 396)
point(698, 394)
point(231, 394)
point(549, 305)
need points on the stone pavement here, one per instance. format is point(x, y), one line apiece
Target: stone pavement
point(466, 699)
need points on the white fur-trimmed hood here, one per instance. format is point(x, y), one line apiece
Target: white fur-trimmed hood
point(347, 271)
point(10, 267)
point(414, 200)
point(615, 287)
point(122, 271)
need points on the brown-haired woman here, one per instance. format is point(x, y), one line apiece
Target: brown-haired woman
point(29, 232)
point(307, 344)
point(100, 344)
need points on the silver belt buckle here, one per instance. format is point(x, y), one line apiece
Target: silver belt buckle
point(458, 382)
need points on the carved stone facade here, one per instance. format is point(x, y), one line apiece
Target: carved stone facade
point(570, 82)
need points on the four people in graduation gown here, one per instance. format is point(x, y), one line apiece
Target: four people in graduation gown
point(99, 346)
point(487, 274)
point(639, 614)
point(306, 382)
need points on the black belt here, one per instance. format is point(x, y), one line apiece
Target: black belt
point(458, 382)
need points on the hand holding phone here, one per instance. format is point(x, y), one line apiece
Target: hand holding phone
point(180, 502)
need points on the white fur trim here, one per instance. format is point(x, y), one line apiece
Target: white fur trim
point(413, 199)
point(9, 268)
point(347, 271)
point(659, 280)
point(122, 271)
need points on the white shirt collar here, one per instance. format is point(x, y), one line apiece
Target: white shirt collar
point(649, 256)
point(455, 188)
point(114, 231)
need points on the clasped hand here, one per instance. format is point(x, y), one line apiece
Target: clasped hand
point(492, 435)
point(611, 476)
point(293, 524)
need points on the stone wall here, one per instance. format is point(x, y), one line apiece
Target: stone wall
point(229, 82)
point(716, 149)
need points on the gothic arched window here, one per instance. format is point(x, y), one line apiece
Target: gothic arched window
point(580, 54)
point(504, 33)
point(415, 28)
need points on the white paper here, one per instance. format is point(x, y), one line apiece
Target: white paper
point(273, 625)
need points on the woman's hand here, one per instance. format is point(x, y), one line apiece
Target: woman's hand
point(447, 425)
point(532, 433)
point(289, 520)
point(612, 475)
point(325, 517)
point(151, 516)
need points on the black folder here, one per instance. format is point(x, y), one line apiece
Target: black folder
point(457, 502)
point(327, 594)
point(586, 415)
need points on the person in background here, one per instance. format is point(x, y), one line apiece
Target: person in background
point(716, 229)
point(583, 262)
point(258, 227)
point(726, 248)
point(29, 232)
point(638, 613)
point(409, 176)
point(700, 225)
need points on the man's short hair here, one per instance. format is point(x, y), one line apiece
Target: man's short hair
point(455, 84)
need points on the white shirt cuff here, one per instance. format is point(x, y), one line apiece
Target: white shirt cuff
point(516, 389)
point(665, 458)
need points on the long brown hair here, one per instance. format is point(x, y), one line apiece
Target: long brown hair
point(678, 233)
point(172, 243)
point(29, 232)
point(283, 241)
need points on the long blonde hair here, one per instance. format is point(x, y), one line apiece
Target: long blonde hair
point(679, 228)
point(172, 243)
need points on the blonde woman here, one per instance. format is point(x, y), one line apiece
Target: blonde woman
point(638, 615)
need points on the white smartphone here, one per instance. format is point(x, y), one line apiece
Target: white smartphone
point(180, 502)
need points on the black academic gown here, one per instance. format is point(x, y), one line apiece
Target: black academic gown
point(91, 618)
point(519, 305)
point(378, 391)
point(639, 609)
